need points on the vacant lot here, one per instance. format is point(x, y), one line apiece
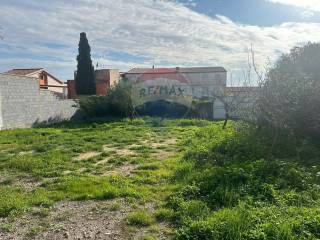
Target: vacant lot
point(155, 179)
point(102, 180)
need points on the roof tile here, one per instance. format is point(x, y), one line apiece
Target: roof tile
point(23, 72)
point(174, 70)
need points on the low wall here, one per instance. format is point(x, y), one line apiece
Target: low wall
point(24, 104)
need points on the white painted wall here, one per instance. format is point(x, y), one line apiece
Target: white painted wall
point(219, 111)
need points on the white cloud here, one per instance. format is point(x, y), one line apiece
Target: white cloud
point(167, 32)
point(310, 5)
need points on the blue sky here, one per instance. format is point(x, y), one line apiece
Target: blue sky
point(137, 33)
point(254, 12)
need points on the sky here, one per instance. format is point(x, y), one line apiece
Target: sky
point(124, 34)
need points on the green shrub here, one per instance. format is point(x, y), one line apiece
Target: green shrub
point(289, 101)
point(116, 103)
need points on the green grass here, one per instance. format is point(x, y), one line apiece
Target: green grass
point(115, 207)
point(148, 238)
point(46, 156)
point(233, 189)
point(101, 188)
point(139, 218)
point(164, 214)
point(14, 200)
point(219, 184)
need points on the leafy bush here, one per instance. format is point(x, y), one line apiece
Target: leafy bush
point(116, 103)
point(289, 100)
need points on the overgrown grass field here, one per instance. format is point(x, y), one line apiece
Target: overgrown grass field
point(180, 179)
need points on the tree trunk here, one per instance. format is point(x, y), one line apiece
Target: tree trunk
point(225, 121)
point(274, 141)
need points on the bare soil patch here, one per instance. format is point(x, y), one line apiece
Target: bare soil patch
point(86, 220)
point(27, 184)
point(74, 221)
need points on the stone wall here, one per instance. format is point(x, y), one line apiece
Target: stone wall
point(24, 104)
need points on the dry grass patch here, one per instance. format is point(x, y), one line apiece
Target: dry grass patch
point(87, 155)
point(125, 171)
point(124, 151)
point(162, 155)
point(26, 152)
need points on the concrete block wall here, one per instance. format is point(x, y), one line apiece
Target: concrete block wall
point(24, 104)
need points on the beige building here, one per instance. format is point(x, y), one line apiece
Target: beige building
point(202, 81)
point(46, 80)
point(181, 85)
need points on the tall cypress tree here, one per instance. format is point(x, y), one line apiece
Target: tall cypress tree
point(85, 80)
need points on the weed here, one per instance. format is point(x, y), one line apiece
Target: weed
point(115, 207)
point(164, 214)
point(139, 218)
point(34, 231)
point(12, 200)
point(148, 238)
point(5, 227)
point(219, 185)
